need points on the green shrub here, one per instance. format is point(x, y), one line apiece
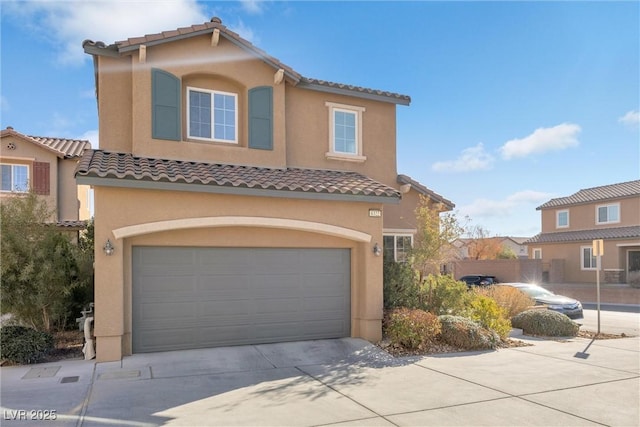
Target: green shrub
point(400, 285)
point(545, 322)
point(511, 299)
point(464, 333)
point(490, 315)
point(441, 294)
point(411, 328)
point(24, 345)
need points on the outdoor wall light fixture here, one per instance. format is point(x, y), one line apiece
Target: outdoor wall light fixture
point(108, 248)
point(377, 250)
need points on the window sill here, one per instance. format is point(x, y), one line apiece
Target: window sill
point(346, 157)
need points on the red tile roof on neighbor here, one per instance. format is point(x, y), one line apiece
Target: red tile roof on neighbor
point(134, 43)
point(62, 147)
point(631, 232)
point(596, 194)
point(125, 166)
point(404, 179)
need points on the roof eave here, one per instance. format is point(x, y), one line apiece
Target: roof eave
point(354, 93)
point(241, 191)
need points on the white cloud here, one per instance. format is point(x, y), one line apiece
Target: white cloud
point(632, 118)
point(254, 7)
point(4, 103)
point(65, 24)
point(93, 137)
point(487, 208)
point(471, 159)
point(542, 140)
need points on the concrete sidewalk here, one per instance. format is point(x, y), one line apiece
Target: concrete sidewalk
point(338, 382)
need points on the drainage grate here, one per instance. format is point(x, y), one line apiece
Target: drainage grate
point(70, 379)
point(47, 372)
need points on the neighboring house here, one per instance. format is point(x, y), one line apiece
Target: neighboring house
point(46, 166)
point(241, 202)
point(400, 220)
point(516, 244)
point(570, 224)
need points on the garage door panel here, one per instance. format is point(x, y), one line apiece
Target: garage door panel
point(203, 297)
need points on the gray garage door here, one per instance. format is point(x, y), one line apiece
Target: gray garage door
point(205, 297)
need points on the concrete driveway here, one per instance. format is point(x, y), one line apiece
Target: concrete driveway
point(336, 382)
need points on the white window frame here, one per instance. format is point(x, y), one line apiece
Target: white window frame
point(594, 263)
point(395, 243)
point(13, 166)
point(338, 155)
point(608, 205)
point(537, 253)
point(558, 213)
point(213, 94)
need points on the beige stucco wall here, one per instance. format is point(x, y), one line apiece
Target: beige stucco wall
point(583, 217)
point(117, 207)
point(26, 153)
point(614, 258)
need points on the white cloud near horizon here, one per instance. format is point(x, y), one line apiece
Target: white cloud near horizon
point(542, 140)
point(65, 24)
point(632, 118)
point(471, 159)
point(486, 208)
point(93, 137)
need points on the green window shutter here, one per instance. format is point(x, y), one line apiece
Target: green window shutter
point(261, 118)
point(165, 99)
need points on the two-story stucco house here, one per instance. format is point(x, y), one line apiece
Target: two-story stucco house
point(46, 166)
point(570, 224)
point(239, 201)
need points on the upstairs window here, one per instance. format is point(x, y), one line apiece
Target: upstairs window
point(562, 219)
point(608, 214)
point(537, 253)
point(212, 115)
point(15, 178)
point(345, 132)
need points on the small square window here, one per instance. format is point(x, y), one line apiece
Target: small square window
point(562, 219)
point(345, 137)
point(396, 247)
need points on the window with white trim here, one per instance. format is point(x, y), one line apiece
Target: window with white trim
point(396, 247)
point(345, 132)
point(15, 178)
point(537, 253)
point(212, 115)
point(562, 219)
point(587, 260)
point(608, 214)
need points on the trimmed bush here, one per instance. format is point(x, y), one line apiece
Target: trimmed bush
point(466, 334)
point(411, 328)
point(24, 345)
point(545, 322)
point(490, 315)
point(511, 299)
point(441, 294)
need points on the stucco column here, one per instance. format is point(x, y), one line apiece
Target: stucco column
point(109, 289)
point(368, 315)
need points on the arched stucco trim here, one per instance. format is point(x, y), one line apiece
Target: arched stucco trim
point(241, 221)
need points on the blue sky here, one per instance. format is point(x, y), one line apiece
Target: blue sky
point(513, 103)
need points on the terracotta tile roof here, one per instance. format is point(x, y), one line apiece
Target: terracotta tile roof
point(587, 235)
point(595, 194)
point(133, 43)
point(63, 147)
point(125, 166)
point(404, 179)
